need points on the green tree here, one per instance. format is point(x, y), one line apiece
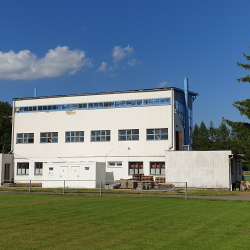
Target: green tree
point(201, 137)
point(213, 133)
point(5, 126)
point(242, 129)
point(223, 137)
point(244, 66)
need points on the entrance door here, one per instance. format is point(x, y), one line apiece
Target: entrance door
point(178, 140)
point(7, 173)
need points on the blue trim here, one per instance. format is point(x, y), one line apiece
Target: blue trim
point(186, 129)
point(95, 105)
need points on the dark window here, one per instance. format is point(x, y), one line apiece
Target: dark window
point(157, 134)
point(135, 167)
point(128, 135)
point(25, 138)
point(38, 168)
point(157, 168)
point(49, 137)
point(23, 168)
point(100, 135)
point(74, 136)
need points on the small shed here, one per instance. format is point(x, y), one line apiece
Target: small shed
point(204, 169)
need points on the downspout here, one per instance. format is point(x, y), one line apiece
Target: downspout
point(13, 124)
point(186, 129)
point(172, 120)
point(230, 172)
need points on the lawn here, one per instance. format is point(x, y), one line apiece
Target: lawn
point(90, 222)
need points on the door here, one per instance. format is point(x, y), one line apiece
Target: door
point(7, 173)
point(178, 140)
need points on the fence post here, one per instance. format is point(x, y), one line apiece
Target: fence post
point(30, 187)
point(185, 190)
point(141, 187)
point(100, 188)
point(64, 187)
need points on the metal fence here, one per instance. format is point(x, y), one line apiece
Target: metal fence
point(98, 187)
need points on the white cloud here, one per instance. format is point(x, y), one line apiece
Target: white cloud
point(163, 84)
point(103, 67)
point(25, 65)
point(119, 53)
point(113, 75)
point(132, 63)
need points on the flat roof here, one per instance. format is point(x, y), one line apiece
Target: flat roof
point(105, 93)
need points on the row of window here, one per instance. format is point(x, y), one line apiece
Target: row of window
point(156, 168)
point(96, 136)
point(97, 105)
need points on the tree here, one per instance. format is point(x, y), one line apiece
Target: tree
point(201, 137)
point(5, 126)
point(242, 129)
point(244, 66)
point(213, 133)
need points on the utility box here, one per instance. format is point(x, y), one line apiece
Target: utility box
point(74, 175)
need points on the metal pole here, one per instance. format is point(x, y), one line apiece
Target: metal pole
point(100, 188)
point(64, 187)
point(30, 187)
point(141, 188)
point(185, 190)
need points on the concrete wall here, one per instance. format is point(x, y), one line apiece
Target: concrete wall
point(6, 159)
point(200, 169)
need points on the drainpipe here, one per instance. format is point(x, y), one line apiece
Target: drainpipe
point(13, 124)
point(230, 172)
point(186, 130)
point(172, 119)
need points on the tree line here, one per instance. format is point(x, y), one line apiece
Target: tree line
point(230, 135)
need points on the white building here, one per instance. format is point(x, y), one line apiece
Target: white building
point(99, 136)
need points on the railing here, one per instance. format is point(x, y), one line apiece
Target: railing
point(98, 187)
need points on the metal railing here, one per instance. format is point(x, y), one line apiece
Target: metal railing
point(98, 187)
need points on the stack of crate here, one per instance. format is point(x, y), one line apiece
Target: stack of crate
point(159, 180)
point(166, 185)
point(132, 184)
point(137, 177)
point(124, 184)
point(148, 180)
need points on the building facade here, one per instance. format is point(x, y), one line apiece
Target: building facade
point(69, 137)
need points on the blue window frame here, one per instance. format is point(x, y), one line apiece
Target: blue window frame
point(157, 134)
point(25, 138)
point(49, 137)
point(100, 135)
point(128, 135)
point(74, 136)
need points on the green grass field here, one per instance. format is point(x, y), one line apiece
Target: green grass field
point(88, 222)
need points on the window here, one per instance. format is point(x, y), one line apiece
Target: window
point(74, 136)
point(100, 135)
point(157, 168)
point(49, 137)
point(115, 164)
point(157, 134)
point(25, 138)
point(128, 135)
point(23, 168)
point(38, 168)
point(135, 167)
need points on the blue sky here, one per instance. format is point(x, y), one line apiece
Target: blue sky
point(73, 47)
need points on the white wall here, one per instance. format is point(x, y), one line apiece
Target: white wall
point(200, 169)
point(112, 119)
